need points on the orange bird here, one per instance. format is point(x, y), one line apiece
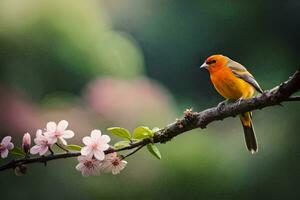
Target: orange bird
point(234, 82)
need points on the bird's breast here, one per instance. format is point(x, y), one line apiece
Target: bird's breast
point(230, 86)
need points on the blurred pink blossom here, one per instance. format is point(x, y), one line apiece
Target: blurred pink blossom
point(18, 113)
point(130, 102)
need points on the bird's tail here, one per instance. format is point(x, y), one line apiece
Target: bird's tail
point(250, 139)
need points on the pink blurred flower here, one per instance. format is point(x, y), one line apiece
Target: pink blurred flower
point(26, 142)
point(88, 166)
point(95, 145)
point(59, 131)
point(42, 143)
point(5, 146)
point(113, 163)
point(130, 102)
point(13, 101)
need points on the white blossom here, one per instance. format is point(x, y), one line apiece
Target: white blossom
point(95, 145)
point(42, 143)
point(58, 131)
point(113, 163)
point(88, 166)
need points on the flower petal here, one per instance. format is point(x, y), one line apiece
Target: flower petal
point(63, 141)
point(62, 125)
point(96, 134)
point(95, 171)
point(4, 153)
point(10, 146)
point(110, 156)
point(86, 151)
point(37, 140)
point(99, 155)
point(103, 147)
point(79, 166)
point(51, 126)
point(6, 140)
point(105, 138)
point(87, 140)
point(68, 134)
point(39, 133)
point(82, 158)
point(115, 171)
point(85, 172)
point(123, 164)
point(43, 150)
point(51, 140)
point(35, 149)
point(106, 166)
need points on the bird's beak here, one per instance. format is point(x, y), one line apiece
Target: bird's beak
point(204, 66)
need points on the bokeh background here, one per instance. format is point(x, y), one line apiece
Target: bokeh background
point(127, 63)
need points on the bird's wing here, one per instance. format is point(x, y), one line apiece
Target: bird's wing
point(241, 72)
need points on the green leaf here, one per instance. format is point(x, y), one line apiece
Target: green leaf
point(121, 144)
point(74, 147)
point(142, 132)
point(154, 150)
point(18, 151)
point(120, 132)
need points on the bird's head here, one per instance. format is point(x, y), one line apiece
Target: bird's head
point(214, 62)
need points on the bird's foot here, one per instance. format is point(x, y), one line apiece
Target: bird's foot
point(222, 104)
point(239, 100)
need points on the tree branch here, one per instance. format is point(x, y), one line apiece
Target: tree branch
point(192, 120)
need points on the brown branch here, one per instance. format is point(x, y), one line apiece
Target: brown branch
point(192, 120)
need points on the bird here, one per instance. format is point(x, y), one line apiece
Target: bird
point(233, 81)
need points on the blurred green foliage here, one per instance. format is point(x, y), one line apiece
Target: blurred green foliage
point(50, 46)
point(177, 36)
point(51, 49)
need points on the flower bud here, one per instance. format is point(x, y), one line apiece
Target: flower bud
point(26, 142)
point(20, 170)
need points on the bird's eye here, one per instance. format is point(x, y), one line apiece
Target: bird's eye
point(211, 62)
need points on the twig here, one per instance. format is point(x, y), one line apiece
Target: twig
point(51, 151)
point(133, 152)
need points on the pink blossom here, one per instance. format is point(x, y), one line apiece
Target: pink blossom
point(95, 145)
point(59, 131)
point(42, 143)
point(5, 146)
point(88, 166)
point(113, 163)
point(26, 142)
